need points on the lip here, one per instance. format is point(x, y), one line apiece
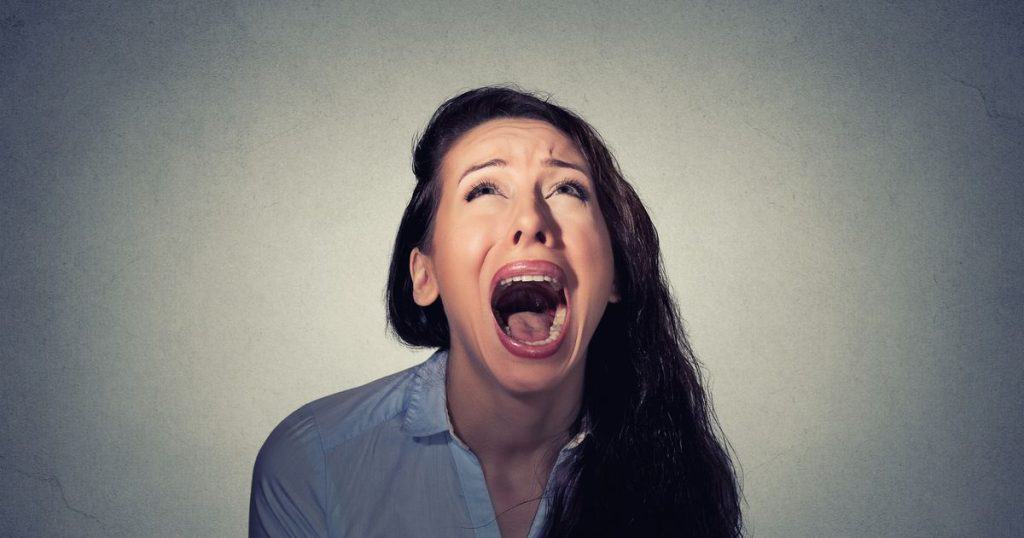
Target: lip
point(531, 267)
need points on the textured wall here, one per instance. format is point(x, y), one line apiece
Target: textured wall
point(197, 204)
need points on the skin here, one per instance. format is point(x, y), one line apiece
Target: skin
point(514, 413)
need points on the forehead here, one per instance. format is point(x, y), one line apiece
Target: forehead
point(510, 138)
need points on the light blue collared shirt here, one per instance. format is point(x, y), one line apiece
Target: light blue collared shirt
point(381, 459)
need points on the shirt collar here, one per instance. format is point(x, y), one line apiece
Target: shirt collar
point(427, 409)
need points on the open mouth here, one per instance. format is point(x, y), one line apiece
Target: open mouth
point(530, 307)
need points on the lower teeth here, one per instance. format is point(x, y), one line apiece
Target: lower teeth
point(554, 332)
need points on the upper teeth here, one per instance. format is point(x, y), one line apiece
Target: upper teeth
point(532, 278)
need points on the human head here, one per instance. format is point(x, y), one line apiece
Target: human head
point(652, 463)
point(428, 327)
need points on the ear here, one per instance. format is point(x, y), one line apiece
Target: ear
point(614, 297)
point(424, 285)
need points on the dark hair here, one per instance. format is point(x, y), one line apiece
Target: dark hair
point(652, 464)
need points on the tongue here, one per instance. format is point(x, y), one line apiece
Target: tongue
point(530, 326)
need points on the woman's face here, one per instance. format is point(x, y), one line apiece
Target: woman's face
point(517, 190)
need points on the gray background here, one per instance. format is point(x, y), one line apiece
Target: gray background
point(198, 203)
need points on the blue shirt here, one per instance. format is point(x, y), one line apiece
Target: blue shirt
point(377, 460)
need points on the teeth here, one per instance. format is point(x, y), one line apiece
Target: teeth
point(560, 315)
point(556, 328)
point(532, 278)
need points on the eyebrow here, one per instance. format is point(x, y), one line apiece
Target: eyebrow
point(550, 163)
point(475, 167)
point(556, 163)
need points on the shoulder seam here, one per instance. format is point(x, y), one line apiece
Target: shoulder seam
point(368, 429)
point(401, 378)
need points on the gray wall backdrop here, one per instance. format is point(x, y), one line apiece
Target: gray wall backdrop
point(198, 203)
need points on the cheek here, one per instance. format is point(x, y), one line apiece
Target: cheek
point(468, 239)
point(461, 249)
point(457, 233)
point(591, 247)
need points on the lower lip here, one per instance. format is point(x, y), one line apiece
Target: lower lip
point(527, 351)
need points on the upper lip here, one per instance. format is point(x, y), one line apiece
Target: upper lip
point(528, 267)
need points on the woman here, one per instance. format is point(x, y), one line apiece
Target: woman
point(563, 398)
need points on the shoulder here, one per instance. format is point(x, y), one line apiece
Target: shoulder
point(320, 425)
point(289, 486)
point(288, 493)
point(295, 439)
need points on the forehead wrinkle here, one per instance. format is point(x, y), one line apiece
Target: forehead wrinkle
point(497, 139)
point(530, 150)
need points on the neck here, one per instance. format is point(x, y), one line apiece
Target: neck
point(502, 426)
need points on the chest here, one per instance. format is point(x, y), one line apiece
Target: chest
point(515, 497)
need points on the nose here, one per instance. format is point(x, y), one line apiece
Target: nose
point(532, 223)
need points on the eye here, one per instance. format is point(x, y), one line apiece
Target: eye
point(573, 187)
point(481, 188)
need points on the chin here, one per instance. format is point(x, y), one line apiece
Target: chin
point(526, 376)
